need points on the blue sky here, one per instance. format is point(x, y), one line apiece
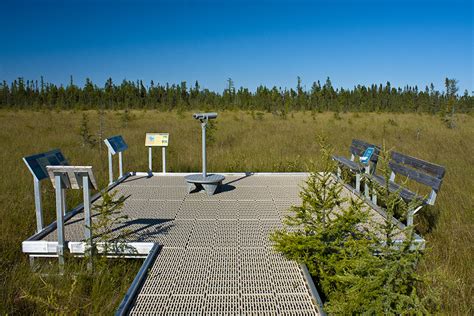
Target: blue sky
point(269, 42)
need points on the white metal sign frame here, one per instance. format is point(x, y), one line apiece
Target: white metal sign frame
point(71, 177)
point(150, 142)
point(37, 166)
point(115, 144)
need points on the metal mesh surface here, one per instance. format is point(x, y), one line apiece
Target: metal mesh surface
point(216, 258)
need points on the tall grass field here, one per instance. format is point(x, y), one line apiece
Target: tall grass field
point(241, 141)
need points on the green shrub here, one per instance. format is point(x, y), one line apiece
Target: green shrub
point(356, 263)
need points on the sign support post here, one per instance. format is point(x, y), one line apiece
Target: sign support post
point(163, 154)
point(156, 140)
point(115, 144)
point(37, 166)
point(87, 219)
point(59, 218)
point(63, 198)
point(38, 205)
point(120, 165)
point(111, 168)
point(72, 177)
point(150, 158)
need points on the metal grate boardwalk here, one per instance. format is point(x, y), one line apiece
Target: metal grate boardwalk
point(216, 256)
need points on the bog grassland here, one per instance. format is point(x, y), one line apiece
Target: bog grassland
point(243, 141)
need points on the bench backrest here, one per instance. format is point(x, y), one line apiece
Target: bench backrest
point(358, 148)
point(418, 170)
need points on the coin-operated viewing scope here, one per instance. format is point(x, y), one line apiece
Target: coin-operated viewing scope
point(208, 182)
point(205, 116)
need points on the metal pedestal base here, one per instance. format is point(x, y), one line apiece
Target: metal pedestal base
point(209, 183)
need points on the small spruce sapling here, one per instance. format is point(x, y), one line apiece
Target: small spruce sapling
point(87, 138)
point(360, 265)
point(385, 280)
point(101, 131)
point(126, 117)
point(108, 229)
point(323, 230)
point(52, 299)
point(211, 130)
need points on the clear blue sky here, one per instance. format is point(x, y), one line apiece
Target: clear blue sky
point(269, 42)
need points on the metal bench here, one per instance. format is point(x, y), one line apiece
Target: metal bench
point(414, 169)
point(357, 149)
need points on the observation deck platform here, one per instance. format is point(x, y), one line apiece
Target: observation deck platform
point(215, 254)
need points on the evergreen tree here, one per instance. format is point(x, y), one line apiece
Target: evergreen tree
point(84, 132)
point(323, 230)
point(384, 280)
point(134, 94)
point(358, 264)
point(448, 114)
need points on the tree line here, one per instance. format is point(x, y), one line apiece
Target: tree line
point(34, 94)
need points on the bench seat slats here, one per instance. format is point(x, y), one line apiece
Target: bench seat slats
point(352, 165)
point(404, 193)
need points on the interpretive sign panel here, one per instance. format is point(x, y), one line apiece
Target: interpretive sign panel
point(116, 144)
point(157, 139)
point(367, 155)
point(72, 176)
point(37, 163)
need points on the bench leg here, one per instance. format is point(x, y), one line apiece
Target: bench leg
point(366, 189)
point(374, 198)
point(358, 182)
point(339, 172)
point(210, 188)
point(192, 186)
point(411, 214)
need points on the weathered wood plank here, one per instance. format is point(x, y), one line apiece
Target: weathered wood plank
point(428, 167)
point(395, 187)
point(416, 175)
point(355, 166)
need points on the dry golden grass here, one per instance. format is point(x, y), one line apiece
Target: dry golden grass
point(242, 144)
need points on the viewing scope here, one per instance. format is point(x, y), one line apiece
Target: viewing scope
point(205, 116)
